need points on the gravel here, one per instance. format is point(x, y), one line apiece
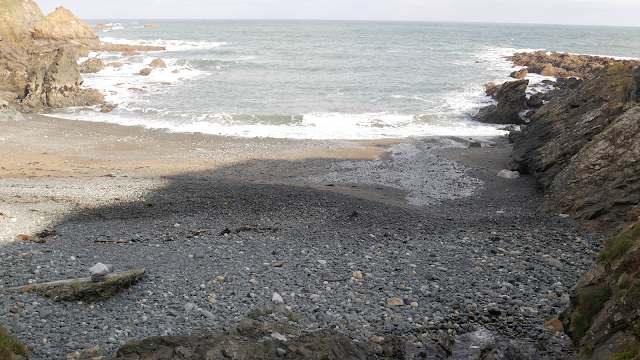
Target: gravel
point(211, 247)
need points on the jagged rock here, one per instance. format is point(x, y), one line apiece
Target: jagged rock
point(84, 289)
point(520, 74)
point(57, 83)
point(584, 148)
point(62, 26)
point(9, 113)
point(151, 25)
point(582, 66)
point(92, 65)
point(511, 98)
point(158, 63)
point(126, 47)
point(146, 71)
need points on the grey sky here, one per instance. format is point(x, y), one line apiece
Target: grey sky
point(583, 12)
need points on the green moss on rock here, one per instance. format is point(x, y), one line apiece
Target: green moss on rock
point(589, 304)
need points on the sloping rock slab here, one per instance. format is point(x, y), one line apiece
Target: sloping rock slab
point(84, 289)
point(327, 345)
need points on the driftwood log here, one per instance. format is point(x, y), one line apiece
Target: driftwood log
point(83, 289)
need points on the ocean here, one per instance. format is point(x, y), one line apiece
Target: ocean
point(324, 79)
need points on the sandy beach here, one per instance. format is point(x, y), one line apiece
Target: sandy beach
point(425, 220)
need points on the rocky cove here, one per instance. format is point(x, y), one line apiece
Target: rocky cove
point(284, 268)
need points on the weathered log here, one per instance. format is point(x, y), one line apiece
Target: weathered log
point(83, 289)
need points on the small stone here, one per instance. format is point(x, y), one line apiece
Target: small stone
point(219, 278)
point(288, 308)
point(277, 299)
point(278, 264)
point(395, 302)
point(506, 174)
point(99, 269)
point(253, 281)
point(322, 262)
point(19, 328)
point(478, 269)
point(281, 352)
point(276, 335)
point(414, 304)
point(188, 307)
point(357, 275)
point(207, 314)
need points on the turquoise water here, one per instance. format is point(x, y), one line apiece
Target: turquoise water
point(325, 79)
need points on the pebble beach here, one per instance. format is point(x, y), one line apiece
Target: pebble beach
point(368, 238)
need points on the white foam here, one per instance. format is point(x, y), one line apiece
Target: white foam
point(171, 45)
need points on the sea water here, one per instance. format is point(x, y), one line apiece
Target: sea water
point(324, 79)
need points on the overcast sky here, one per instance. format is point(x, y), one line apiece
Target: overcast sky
point(582, 12)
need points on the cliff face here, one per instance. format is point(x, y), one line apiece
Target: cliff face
point(584, 148)
point(38, 55)
point(602, 318)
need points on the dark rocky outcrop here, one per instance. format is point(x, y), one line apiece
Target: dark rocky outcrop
point(602, 318)
point(512, 99)
point(92, 65)
point(56, 83)
point(581, 148)
point(563, 64)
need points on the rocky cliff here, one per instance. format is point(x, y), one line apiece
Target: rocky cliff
point(584, 150)
point(38, 56)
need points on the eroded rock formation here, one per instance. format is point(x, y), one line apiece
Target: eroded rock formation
point(584, 148)
point(62, 26)
point(512, 99)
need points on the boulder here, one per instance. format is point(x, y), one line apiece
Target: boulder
point(583, 149)
point(151, 25)
point(84, 289)
point(62, 26)
point(92, 65)
point(535, 101)
point(512, 99)
point(506, 174)
point(146, 71)
point(158, 63)
point(520, 74)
